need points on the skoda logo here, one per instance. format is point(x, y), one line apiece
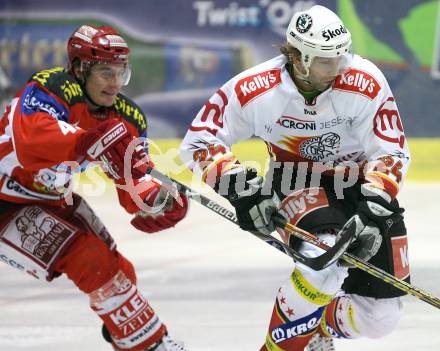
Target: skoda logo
point(303, 23)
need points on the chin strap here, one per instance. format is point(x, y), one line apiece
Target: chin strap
point(302, 76)
point(296, 74)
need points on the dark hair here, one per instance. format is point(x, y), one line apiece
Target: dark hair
point(289, 51)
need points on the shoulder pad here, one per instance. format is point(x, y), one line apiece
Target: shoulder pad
point(131, 112)
point(358, 82)
point(250, 87)
point(61, 83)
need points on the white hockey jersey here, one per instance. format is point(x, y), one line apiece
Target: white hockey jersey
point(356, 119)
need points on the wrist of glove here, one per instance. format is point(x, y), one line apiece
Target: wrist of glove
point(119, 153)
point(382, 213)
point(374, 217)
point(256, 207)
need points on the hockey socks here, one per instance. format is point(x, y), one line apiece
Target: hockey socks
point(128, 317)
point(353, 316)
point(301, 302)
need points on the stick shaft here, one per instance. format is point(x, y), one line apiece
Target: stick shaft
point(308, 237)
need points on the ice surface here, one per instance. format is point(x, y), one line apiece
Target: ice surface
point(212, 284)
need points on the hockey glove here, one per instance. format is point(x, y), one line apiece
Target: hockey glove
point(161, 210)
point(108, 143)
point(373, 220)
point(152, 223)
point(255, 210)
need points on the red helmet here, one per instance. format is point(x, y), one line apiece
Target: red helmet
point(97, 44)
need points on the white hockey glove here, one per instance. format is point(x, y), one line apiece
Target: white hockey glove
point(255, 210)
point(374, 218)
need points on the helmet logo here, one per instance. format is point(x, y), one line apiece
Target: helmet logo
point(303, 23)
point(332, 33)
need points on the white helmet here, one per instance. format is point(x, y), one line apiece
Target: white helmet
point(318, 32)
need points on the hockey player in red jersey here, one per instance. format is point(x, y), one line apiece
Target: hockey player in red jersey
point(62, 118)
point(338, 156)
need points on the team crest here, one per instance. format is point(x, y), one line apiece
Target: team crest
point(313, 148)
point(319, 148)
point(303, 23)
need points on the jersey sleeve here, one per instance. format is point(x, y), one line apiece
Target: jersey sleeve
point(40, 130)
point(135, 120)
point(221, 122)
point(380, 131)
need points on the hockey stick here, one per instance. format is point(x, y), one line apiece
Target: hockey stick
point(302, 234)
point(317, 263)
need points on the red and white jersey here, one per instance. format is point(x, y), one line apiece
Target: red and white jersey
point(38, 133)
point(354, 120)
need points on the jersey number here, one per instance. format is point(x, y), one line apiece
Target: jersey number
point(66, 128)
point(392, 167)
point(212, 112)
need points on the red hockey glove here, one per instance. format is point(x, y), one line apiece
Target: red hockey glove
point(170, 214)
point(154, 208)
point(109, 143)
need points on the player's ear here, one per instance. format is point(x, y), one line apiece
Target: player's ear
point(76, 70)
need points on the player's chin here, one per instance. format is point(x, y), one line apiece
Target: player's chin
point(322, 86)
point(107, 100)
point(324, 83)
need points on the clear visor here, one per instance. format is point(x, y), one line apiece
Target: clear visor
point(323, 71)
point(109, 72)
point(328, 67)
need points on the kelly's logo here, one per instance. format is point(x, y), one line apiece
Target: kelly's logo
point(359, 82)
point(249, 88)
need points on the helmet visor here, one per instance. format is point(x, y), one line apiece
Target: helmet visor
point(324, 70)
point(108, 72)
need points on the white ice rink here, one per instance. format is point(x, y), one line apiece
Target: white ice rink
point(212, 284)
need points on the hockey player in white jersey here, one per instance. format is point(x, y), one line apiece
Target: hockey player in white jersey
point(338, 156)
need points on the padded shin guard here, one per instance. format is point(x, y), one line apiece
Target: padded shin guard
point(131, 321)
point(301, 302)
point(110, 281)
point(353, 316)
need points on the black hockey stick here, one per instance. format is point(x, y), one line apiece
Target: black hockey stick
point(302, 234)
point(330, 255)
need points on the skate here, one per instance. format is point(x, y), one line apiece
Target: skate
point(165, 344)
point(320, 343)
point(168, 344)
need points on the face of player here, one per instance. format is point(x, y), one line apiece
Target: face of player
point(323, 72)
point(104, 82)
